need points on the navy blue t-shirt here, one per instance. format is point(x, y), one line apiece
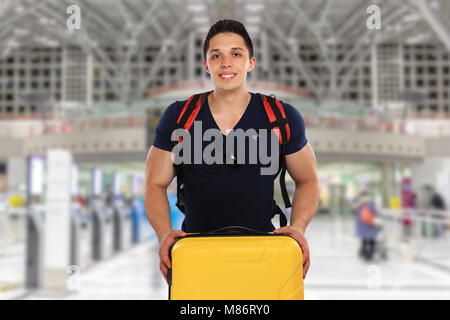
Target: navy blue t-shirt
point(220, 195)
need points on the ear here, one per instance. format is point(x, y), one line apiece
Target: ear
point(252, 64)
point(205, 65)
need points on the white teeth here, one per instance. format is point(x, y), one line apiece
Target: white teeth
point(227, 75)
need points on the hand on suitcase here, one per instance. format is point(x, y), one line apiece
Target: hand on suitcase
point(164, 247)
point(298, 235)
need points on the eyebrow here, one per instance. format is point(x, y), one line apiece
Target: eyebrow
point(217, 50)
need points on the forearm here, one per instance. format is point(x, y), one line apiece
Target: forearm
point(304, 204)
point(157, 209)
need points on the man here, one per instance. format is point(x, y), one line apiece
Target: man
point(222, 195)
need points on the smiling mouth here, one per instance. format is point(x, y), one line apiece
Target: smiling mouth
point(227, 76)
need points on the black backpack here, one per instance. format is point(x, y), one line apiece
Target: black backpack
point(276, 120)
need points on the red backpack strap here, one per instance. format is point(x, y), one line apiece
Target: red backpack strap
point(278, 121)
point(185, 120)
point(277, 118)
point(190, 111)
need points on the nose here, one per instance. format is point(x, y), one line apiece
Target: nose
point(226, 62)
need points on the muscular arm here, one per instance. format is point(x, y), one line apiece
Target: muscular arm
point(302, 168)
point(159, 173)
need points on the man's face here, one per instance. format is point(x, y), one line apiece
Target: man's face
point(227, 61)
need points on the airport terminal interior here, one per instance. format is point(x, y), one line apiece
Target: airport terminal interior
point(83, 84)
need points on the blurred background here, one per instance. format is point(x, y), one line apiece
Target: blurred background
point(84, 82)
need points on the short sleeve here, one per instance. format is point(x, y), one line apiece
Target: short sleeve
point(165, 127)
point(297, 129)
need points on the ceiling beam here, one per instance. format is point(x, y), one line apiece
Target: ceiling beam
point(433, 21)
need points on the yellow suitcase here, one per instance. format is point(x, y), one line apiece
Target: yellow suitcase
point(236, 263)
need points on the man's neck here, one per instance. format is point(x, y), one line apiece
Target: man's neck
point(232, 101)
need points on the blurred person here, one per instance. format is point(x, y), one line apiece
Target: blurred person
point(81, 200)
point(216, 195)
point(365, 213)
point(437, 205)
point(109, 195)
point(436, 200)
point(414, 200)
point(407, 217)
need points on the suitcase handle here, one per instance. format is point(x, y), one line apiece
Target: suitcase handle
point(237, 230)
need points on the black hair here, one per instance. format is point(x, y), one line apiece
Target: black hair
point(227, 25)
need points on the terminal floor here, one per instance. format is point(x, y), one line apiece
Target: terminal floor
point(336, 272)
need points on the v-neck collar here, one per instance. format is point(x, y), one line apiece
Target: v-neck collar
point(237, 123)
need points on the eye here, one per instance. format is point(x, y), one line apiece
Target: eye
point(236, 53)
point(214, 56)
